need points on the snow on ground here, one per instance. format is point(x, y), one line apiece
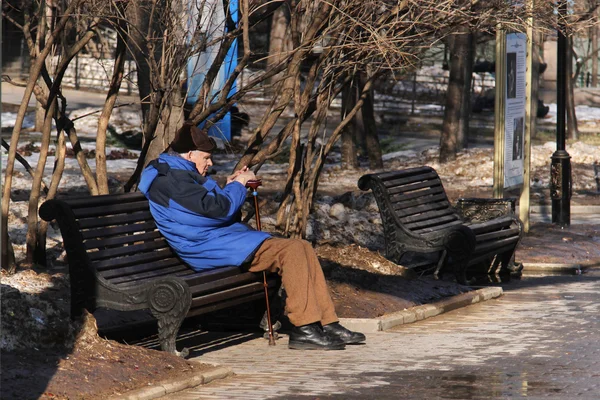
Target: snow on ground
point(122, 119)
point(8, 120)
point(583, 113)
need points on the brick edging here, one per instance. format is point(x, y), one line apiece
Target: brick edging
point(418, 313)
point(163, 389)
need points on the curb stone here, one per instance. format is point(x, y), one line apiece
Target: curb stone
point(418, 313)
point(160, 390)
point(538, 268)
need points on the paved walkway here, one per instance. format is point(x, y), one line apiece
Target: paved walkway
point(75, 98)
point(541, 339)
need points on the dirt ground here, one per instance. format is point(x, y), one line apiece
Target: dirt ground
point(92, 368)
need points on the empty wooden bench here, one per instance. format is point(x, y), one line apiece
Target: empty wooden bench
point(475, 237)
point(119, 260)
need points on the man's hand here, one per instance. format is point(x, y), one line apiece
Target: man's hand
point(242, 176)
point(232, 177)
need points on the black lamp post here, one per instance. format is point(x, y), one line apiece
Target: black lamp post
point(560, 169)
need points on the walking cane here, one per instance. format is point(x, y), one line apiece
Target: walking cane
point(254, 184)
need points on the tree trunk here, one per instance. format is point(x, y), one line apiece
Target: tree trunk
point(349, 148)
point(372, 145)
point(594, 37)
point(59, 167)
point(572, 130)
point(40, 114)
point(138, 13)
point(34, 197)
point(465, 111)
point(450, 142)
point(109, 104)
point(34, 73)
point(278, 44)
point(170, 121)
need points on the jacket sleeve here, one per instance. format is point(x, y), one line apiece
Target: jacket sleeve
point(207, 199)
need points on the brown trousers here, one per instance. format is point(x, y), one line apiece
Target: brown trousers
point(295, 260)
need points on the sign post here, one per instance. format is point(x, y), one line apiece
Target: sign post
point(499, 113)
point(530, 115)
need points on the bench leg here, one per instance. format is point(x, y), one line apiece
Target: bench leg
point(441, 264)
point(170, 301)
point(508, 265)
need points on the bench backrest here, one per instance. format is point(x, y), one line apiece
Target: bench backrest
point(414, 198)
point(120, 238)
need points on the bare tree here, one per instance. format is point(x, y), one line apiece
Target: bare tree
point(594, 43)
point(39, 53)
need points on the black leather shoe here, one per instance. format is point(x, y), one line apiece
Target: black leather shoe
point(312, 337)
point(347, 336)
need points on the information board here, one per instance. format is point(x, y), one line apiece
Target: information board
point(514, 109)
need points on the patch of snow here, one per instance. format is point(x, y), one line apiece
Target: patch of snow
point(583, 113)
point(122, 120)
point(9, 119)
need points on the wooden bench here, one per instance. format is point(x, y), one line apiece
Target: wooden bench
point(475, 237)
point(119, 260)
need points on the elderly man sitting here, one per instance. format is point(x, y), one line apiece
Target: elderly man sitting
point(199, 220)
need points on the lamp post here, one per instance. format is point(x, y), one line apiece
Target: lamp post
point(560, 168)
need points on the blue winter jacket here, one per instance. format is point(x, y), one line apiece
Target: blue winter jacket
point(196, 216)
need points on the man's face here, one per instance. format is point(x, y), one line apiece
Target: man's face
point(202, 160)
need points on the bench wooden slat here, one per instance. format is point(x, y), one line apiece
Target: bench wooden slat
point(118, 230)
point(424, 193)
point(434, 201)
point(112, 209)
point(439, 227)
point(112, 274)
point(133, 260)
point(228, 294)
point(498, 234)
point(433, 223)
point(236, 280)
point(147, 276)
point(87, 223)
point(404, 172)
point(198, 278)
point(129, 250)
point(103, 200)
point(493, 246)
point(121, 240)
point(414, 186)
point(492, 225)
point(422, 216)
point(222, 304)
point(393, 181)
point(417, 210)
